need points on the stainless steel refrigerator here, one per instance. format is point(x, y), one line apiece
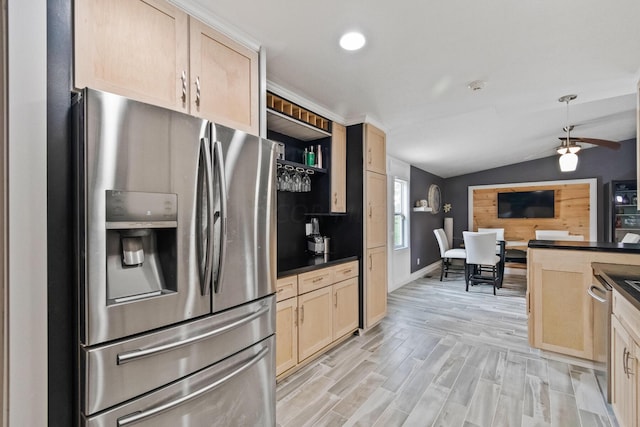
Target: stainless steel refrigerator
point(176, 268)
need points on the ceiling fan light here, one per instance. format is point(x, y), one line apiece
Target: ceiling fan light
point(562, 150)
point(573, 149)
point(568, 162)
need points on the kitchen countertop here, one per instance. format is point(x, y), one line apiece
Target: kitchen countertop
point(617, 275)
point(305, 263)
point(585, 246)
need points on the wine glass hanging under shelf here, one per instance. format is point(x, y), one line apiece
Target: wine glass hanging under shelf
point(296, 179)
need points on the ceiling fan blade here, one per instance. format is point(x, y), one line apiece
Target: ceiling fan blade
point(573, 138)
point(601, 142)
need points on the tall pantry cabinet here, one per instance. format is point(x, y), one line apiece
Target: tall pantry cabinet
point(367, 201)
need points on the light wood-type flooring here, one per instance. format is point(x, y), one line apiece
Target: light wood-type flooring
point(445, 357)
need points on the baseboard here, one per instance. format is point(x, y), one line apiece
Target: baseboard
point(419, 274)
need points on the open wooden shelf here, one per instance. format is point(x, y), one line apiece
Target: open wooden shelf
point(283, 116)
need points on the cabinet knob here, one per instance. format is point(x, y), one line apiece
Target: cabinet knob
point(198, 91)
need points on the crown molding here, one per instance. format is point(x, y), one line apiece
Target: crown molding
point(225, 27)
point(364, 118)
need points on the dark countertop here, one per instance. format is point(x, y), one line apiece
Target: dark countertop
point(586, 246)
point(616, 276)
point(305, 263)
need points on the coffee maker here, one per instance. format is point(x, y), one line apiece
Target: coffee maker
point(315, 242)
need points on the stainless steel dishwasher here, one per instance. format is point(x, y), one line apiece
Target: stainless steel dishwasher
point(601, 292)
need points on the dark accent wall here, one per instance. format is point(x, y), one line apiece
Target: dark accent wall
point(61, 307)
point(601, 163)
point(423, 242)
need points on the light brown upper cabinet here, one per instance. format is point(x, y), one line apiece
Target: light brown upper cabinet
point(134, 48)
point(153, 52)
point(375, 150)
point(338, 168)
point(224, 79)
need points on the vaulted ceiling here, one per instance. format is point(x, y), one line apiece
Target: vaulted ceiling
point(412, 76)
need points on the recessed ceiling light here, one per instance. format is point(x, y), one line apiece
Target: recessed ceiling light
point(352, 41)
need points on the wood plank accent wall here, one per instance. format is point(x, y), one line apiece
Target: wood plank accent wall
point(571, 211)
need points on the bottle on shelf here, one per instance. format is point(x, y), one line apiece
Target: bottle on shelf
point(311, 157)
point(319, 157)
point(304, 157)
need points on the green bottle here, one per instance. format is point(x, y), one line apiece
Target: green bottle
point(311, 157)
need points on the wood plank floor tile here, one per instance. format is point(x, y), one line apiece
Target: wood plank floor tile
point(330, 419)
point(372, 409)
point(564, 411)
point(483, 405)
point(537, 406)
point(351, 402)
point(445, 357)
point(428, 406)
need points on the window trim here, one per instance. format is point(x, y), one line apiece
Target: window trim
point(403, 213)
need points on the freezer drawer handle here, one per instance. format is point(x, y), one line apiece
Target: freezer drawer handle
point(141, 415)
point(130, 356)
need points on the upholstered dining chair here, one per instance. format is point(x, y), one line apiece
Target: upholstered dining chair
point(557, 235)
point(483, 265)
point(499, 232)
point(551, 234)
point(630, 238)
point(447, 254)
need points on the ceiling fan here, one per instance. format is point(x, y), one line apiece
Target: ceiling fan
point(569, 144)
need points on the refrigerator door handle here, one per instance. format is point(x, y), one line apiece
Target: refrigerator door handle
point(207, 253)
point(133, 355)
point(222, 185)
point(141, 415)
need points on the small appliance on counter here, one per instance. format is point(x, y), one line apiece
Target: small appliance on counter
point(315, 242)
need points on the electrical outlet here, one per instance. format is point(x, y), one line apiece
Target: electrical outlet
point(418, 261)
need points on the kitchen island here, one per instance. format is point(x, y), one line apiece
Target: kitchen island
point(560, 310)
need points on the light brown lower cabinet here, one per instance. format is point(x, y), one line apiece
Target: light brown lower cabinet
point(315, 321)
point(625, 352)
point(345, 299)
point(561, 312)
point(376, 286)
point(287, 334)
point(320, 315)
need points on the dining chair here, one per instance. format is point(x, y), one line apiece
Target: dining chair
point(550, 234)
point(447, 254)
point(558, 235)
point(482, 264)
point(630, 238)
point(499, 232)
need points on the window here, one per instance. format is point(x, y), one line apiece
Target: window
point(400, 208)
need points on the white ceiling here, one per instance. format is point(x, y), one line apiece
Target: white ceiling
point(411, 77)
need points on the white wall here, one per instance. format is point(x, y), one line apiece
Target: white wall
point(27, 210)
point(399, 261)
